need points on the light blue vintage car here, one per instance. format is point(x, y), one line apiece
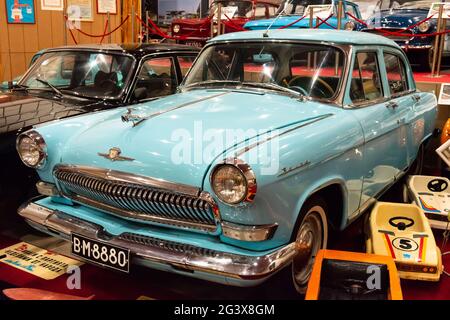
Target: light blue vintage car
point(274, 140)
point(294, 14)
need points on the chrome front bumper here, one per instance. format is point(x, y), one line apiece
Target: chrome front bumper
point(217, 266)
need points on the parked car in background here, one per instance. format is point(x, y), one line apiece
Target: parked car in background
point(196, 32)
point(291, 11)
point(69, 81)
point(310, 128)
point(7, 85)
point(399, 19)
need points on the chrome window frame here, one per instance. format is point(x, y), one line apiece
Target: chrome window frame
point(366, 103)
point(130, 77)
point(139, 69)
point(337, 100)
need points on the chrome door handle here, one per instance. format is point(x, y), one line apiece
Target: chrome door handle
point(392, 104)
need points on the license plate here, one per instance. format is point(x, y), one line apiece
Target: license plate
point(101, 253)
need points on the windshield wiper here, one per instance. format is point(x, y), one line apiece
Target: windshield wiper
point(273, 86)
point(212, 82)
point(55, 90)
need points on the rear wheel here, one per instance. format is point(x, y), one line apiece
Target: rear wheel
point(311, 236)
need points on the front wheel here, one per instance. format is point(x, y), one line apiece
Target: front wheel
point(311, 236)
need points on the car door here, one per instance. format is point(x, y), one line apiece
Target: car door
point(403, 94)
point(383, 149)
point(401, 97)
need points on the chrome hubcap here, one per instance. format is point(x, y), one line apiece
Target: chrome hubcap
point(308, 242)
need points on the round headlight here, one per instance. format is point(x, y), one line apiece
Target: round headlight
point(349, 26)
point(423, 27)
point(176, 28)
point(32, 149)
point(234, 183)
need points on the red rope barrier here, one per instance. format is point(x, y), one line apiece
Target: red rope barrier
point(324, 21)
point(104, 31)
point(102, 35)
point(230, 23)
point(292, 23)
point(356, 19)
point(73, 37)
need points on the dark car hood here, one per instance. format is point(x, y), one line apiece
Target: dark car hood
point(398, 18)
point(21, 110)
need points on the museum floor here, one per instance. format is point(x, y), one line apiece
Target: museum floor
point(150, 284)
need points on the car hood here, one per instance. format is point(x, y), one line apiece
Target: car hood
point(286, 20)
point(398, 18)
point(20, 110)
point(177, 142)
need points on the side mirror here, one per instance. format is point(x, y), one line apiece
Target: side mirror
point(10, 85)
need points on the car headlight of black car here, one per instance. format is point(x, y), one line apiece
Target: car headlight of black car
point(32, 149)
point(349, 26)
point(424, 27)
point(234, 182)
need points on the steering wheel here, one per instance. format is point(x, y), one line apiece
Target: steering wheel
point(324, 90)
point(437, 185)
point(108, 85)
point(401, 225)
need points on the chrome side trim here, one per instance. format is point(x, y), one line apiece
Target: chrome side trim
point(145, 250)
point(183, 105)
point(248, 233)
point(303, 124)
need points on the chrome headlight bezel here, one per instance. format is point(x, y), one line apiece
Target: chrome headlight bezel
point(176, 28)
point(424, 26)
point(248, 176)
point(349, 26)
point(40, 145)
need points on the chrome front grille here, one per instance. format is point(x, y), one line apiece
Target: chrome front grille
point(138, 198)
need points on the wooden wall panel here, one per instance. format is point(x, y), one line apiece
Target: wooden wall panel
point(18, 65)
point(5, 66)
point(19, 42)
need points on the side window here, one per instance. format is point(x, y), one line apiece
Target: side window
point(352, 10)
point(396, 74)
point(365, 84)
point(185, 63)
point(261, 11)
point(157, 78)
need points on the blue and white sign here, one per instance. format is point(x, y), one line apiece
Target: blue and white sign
point(20, 11)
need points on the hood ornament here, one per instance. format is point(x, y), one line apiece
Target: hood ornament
point(130, 117)
point(114, 155)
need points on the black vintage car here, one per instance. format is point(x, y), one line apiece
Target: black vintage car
point(68, 81)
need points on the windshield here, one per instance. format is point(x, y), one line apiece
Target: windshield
point(87, 74)
point(298, 7)
point(233, 9)
point(306, 69)
point(416, 5)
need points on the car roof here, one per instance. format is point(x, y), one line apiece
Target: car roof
point(134, 49)
point(317, 35)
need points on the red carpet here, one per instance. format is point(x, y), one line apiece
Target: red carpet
point(426, 77)
point(108, 285)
